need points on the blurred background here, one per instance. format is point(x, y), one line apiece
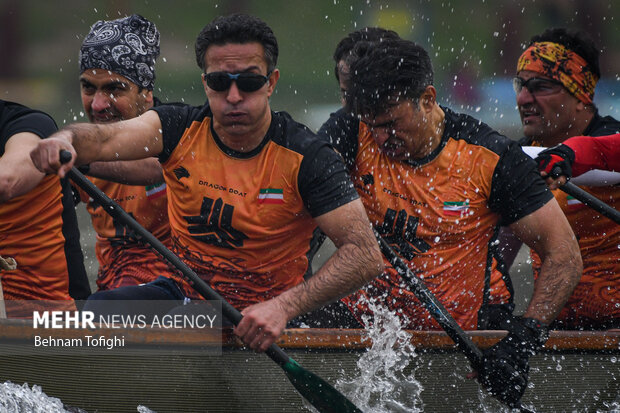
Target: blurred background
point(474, 46)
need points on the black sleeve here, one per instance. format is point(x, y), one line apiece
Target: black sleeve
point(517, 189)
point(174, 120)
point(35, 122)
point(341, 131)
point(79, 286)
point(324, 183)
point(602, 126)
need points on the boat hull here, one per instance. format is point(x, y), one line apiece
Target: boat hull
point(576, 372)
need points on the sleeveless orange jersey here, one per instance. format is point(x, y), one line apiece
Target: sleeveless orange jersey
point(594, 302)
point(243, 221)
point(39, 229)
point(441, 214)
point(122, 260)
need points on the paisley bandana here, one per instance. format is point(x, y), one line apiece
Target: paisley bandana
point(557, 62)
point(127, 46)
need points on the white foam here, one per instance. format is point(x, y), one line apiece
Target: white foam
point(18, 399)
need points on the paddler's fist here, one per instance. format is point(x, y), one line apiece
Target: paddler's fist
point(261, 325)
point(46, 155)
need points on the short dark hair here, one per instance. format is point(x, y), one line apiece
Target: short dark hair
point(578, 41)
point(237, 28)
point(381, 72)
point(367, 34)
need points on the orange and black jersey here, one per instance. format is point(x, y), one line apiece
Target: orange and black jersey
point(123, 260)
point(243, 221)
point(39, 229)
point(442, 213)
point(593, 303)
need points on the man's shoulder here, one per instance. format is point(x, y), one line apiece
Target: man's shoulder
point(602, 125)
point(16, 118)
point(474, 131)
point(293, 135)
point(180, 110)
point(11, 111)
point(339, 122)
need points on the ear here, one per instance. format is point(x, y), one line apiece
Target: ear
point(148, 97)
point(204, 81)
point(582, 106)
point(428, 99)
point(273, 79)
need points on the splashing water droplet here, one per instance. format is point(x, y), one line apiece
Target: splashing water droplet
point(386, 379)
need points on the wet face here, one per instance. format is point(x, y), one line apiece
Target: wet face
point(402, 132)
point(109, 97)
point(237, 113)
point(550, 116)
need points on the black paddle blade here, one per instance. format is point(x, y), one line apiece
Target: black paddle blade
point(317, 391)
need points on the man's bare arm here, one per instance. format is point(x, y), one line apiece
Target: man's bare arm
point(548, 232)
point(131, 139)
point(139, 172)
point(356, 262)
point(18, 174)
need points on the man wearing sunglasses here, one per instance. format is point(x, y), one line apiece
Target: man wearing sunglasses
point(247, 186)
point(555, 83)
point(437, 185)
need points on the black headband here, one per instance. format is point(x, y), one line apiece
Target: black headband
point(127, 46)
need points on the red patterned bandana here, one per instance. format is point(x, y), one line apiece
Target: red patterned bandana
point(557, 62)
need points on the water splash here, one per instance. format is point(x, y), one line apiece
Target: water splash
point(20, 399)
point(17, 399)
point(385, 382)
point(613, 407)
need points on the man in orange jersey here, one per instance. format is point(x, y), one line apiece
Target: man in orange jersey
point(555, 83)
point(117, 66)
point(247, 186)
point(437, 185)
point(38, 226)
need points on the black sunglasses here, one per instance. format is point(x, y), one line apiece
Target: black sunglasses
point(246, 82)
point(537, 86)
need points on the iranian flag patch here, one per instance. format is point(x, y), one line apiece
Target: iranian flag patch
point(455, 209)
point(155, 191)
point(573, 203)
point(271, 196)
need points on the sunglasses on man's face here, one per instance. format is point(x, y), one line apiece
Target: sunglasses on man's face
point(246, 82)
point(537, 86)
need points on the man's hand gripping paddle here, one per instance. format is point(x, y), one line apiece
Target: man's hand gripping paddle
point(324, 397)
point(437, 310)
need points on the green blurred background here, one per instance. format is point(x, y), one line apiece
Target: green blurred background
point(474, 46)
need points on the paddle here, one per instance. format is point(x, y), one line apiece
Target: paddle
point(434, 306)
point(591, 201)
point(579, 194)
point(317, 391)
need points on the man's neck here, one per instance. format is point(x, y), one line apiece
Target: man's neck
point(577, 128)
